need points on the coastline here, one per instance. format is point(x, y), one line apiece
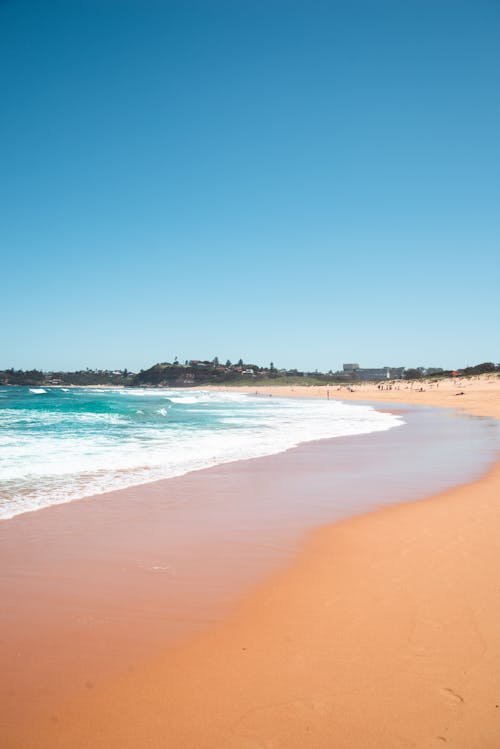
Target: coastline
point(478, 396)
point(381, 632)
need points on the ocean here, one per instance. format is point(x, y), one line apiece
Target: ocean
point(61, 444)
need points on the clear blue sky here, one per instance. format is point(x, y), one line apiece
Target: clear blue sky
point(298, 181)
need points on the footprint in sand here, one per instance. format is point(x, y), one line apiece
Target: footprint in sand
point(450, 694)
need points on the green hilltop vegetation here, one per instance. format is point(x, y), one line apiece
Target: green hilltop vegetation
point(197, 373)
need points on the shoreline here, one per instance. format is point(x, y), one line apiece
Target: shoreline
point(298, 623)
point(478, 396)
point(309, 423)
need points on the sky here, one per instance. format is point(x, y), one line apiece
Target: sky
point(296, 181)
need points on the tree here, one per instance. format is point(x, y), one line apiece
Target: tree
point(480, 368)
point(215, 361)
point(240, 362)
point(413, 374)
point(271, 366)
point(228, 363)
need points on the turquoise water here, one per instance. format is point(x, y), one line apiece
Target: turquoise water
point(60, 444)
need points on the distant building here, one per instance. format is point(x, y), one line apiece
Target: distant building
point(373, 373)
point(381, 373)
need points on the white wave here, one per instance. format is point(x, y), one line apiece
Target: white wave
point(18, 417)
point(37, 390)
point(162, 411)
point(91, 390)
point(187, 401)
point(133, 391)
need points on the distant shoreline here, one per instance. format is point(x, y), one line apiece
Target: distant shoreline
point(478, 395)
point(202, 374)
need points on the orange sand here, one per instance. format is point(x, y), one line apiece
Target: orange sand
point(383, 633)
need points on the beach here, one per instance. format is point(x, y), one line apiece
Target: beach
point(249, 375)
point(379, 630)
point(474, 395)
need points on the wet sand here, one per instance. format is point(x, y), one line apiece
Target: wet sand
point(381, 632)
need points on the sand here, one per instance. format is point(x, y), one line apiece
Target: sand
point(382, 632)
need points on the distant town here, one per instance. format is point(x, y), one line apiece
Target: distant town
point(195, 372)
